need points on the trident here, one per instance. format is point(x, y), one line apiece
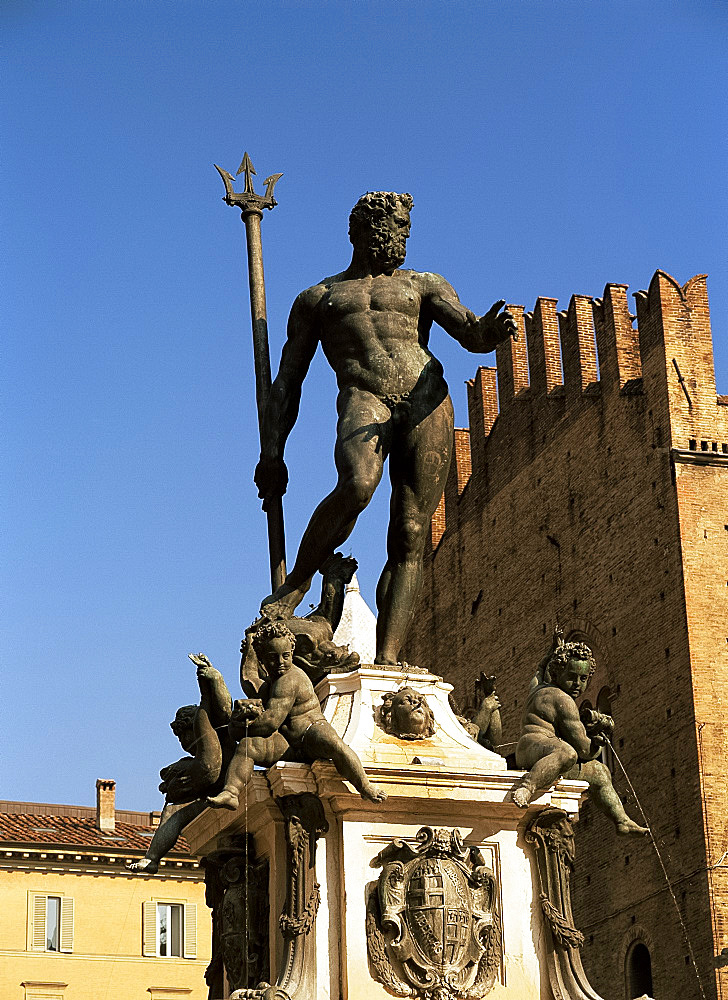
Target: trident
point(251, 207)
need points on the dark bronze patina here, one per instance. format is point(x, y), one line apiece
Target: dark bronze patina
point(555, 741)
point(236, 890)
point(203, 733)
point(373, 322)
point(406, 714)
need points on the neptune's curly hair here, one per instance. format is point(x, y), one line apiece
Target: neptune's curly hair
point(373, 206)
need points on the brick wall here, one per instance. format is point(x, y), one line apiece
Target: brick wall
point(598, 500)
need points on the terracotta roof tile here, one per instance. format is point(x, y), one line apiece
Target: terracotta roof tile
point(35, 830)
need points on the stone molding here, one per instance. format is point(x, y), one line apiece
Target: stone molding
point(552, 837)
point(304, 821)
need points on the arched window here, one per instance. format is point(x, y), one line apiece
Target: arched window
point(638, 971)
point(604, 705)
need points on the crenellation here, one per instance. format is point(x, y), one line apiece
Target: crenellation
point(512, 362)
point(665, 365)
point(677, 356)
point(617, 340)
point(544, 347)
point(461, 458)
point(458, 475)
point(606, 512)
point(482, 413)
point(578, 346)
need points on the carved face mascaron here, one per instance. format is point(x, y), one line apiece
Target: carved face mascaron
point(407, 715)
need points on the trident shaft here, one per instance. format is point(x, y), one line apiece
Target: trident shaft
point(251, 207)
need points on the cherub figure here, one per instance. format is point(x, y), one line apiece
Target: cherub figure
point(487, 715)
point(202, 732)
point(287, 714)
point(316, 652)
point(554, 742)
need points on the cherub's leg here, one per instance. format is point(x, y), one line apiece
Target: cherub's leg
point(605, 798)
point(549, 760)
point(249, 752)
point(208, 752)
point(172, 822)
point(322, 742)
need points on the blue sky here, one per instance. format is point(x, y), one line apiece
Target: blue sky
point(550, 147)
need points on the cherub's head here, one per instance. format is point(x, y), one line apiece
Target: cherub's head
point(274, 644)
point(183, 726)
point(406, 714)
point(570, 667)
point(379, 224)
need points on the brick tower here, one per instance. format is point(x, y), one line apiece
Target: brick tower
point(591, 491)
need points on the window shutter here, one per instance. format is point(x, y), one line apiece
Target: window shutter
point(39, 923)
point(149, 929)
point(66, 923)
point(190, 939)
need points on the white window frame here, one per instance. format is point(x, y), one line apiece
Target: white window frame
point(151, 928)
point(38, 920)
point(57, 908)
point(171, 910)
point(36, 990)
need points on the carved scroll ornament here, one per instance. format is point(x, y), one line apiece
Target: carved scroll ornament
point(552, 835)
point(237, 893)
point(304, 823)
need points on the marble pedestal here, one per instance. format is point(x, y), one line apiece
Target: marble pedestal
point(310, 818)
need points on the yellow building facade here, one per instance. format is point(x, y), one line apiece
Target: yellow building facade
point(75, 924)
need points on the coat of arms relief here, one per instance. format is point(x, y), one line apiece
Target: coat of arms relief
point(433, 924)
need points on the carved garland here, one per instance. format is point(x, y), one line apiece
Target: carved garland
point(564, 932)
point(304, 823)
point(291, 926)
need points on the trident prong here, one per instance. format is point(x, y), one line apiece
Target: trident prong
point(228, 180)
point(247, 167)
point(270, 183)
point(247, 200)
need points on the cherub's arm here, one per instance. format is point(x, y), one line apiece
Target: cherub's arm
point(571, 729)
point(475, 333)
point(214, 695)
point(279, 703)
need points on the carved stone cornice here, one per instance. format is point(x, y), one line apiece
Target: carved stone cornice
point(683, 456)
point(73, 861)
